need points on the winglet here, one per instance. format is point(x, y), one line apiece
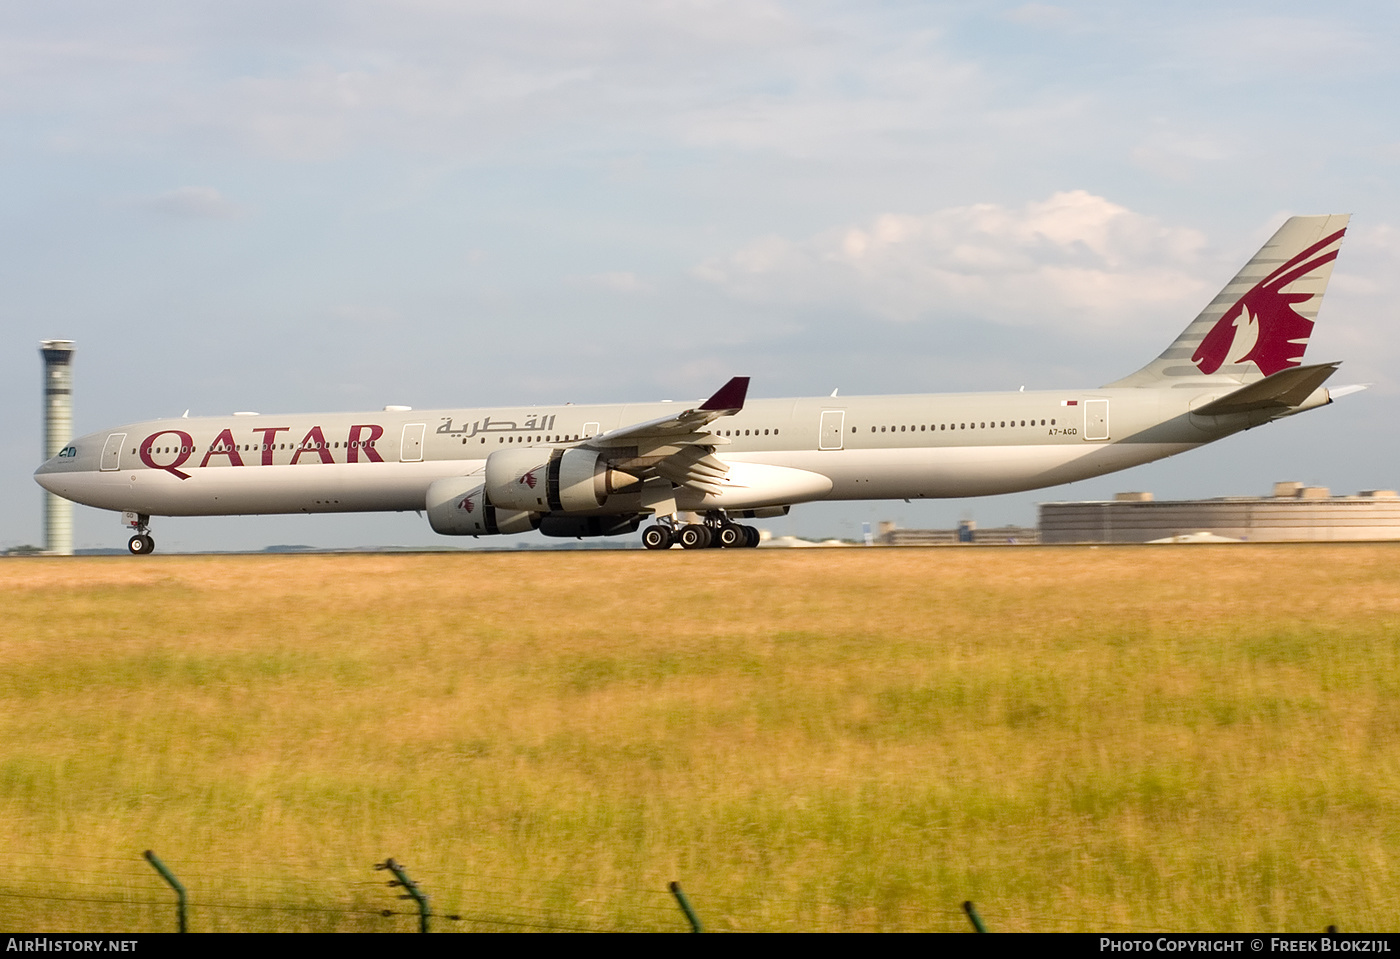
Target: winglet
point(730, 396)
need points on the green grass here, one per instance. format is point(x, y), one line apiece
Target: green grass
point(1191, 738)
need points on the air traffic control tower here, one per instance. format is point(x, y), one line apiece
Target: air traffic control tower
point(58, 430)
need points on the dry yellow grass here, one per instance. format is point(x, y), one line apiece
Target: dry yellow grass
point(1131, 738)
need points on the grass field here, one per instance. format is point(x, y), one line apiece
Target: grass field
point(1117, 739)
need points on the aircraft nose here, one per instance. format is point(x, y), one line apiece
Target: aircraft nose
point(48, 475)
point(43, 475)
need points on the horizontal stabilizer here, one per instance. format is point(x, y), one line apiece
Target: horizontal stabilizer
point(1337, 392)
point(1281, 391)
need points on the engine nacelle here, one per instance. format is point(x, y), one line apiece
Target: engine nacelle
point(589, 525)
point(766, 512)
point(560, 481)
point(458, 506)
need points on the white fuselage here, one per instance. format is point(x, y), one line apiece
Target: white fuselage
point(853, 448)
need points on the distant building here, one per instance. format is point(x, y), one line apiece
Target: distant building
point(967, 532)
point(1294, 513)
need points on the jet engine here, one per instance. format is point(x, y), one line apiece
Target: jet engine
point(560, 481)
point(458, 506)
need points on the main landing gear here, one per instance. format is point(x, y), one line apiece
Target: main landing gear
point(141, 543)
point(716, 532)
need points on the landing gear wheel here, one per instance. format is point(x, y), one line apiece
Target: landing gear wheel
point(140, 544)
point(751, 536)
point(657, 537)
point(731, 535)
point(694, 536)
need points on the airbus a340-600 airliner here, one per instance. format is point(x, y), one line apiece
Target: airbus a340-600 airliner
point(604, 470)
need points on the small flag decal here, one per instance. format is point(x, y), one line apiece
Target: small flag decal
point(1069, 402)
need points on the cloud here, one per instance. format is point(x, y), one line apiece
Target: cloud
point(1237, 48)
point(192, 202)
point(619, 281)
point(1038, 15)
point(314, 82)
point(1357, 321)
point(1177, 154)
point(1075, 260)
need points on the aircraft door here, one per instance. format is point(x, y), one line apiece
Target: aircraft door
point(411, 449)
point(112, 451)
point(832, 435)
point(1096, 420)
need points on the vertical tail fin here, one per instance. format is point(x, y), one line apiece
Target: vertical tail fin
point(1261, 322)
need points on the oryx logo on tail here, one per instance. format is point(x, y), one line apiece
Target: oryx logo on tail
point(1263, 327)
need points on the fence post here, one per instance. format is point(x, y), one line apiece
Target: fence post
point(971, 911)
point(685, 908)
point(169, 877)
point(414, 893)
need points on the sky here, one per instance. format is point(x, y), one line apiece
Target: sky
point(320, 206)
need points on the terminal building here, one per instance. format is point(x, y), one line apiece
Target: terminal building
point(967, 532)
point(1293, 514)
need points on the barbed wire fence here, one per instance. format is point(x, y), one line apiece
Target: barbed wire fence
point(132, 894)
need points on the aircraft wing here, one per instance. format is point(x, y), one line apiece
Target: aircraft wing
point(677, 448)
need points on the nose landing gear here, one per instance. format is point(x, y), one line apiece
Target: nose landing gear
point(141, 543)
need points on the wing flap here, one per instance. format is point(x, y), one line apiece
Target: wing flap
point(694, 467)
